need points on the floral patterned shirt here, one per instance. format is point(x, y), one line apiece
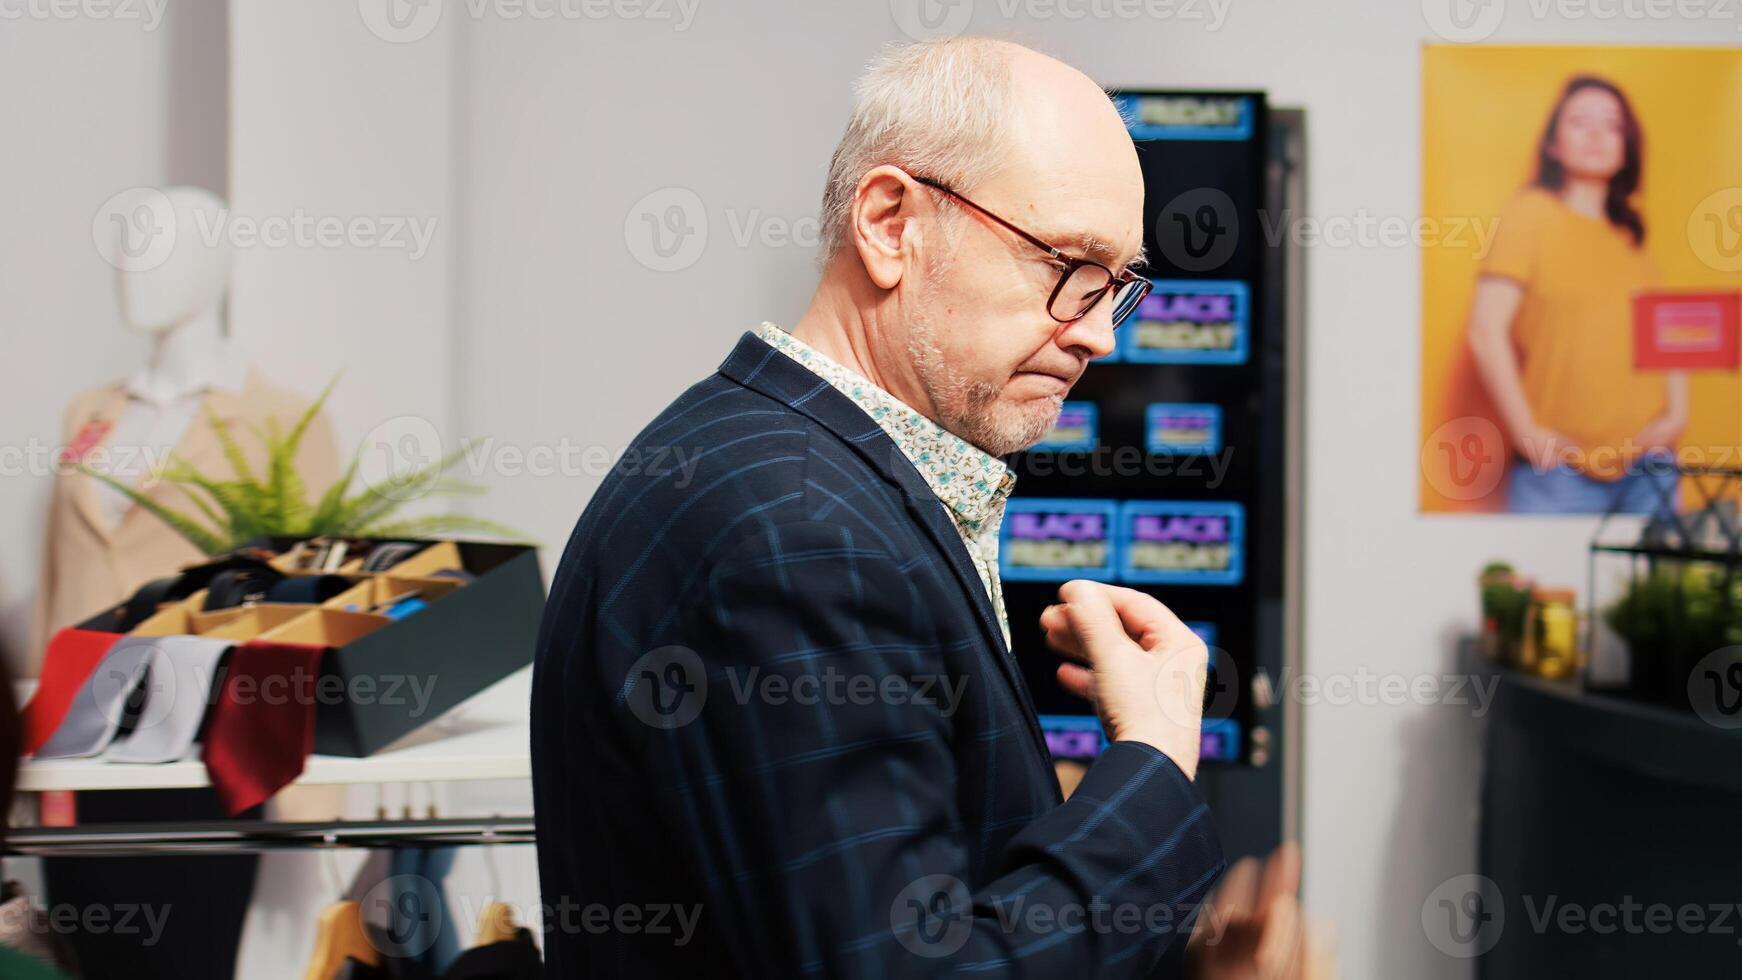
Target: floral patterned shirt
point(971, 483)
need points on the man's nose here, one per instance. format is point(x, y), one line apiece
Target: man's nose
point(1093, 331)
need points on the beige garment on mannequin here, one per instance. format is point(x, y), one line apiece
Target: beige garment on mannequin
point(88, 566)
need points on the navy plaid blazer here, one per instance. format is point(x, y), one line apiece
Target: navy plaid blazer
point(776, 731)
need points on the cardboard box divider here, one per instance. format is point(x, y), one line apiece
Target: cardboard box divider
point(476, 634)
point(252, 621)
point(325, 627)
point(442, 554)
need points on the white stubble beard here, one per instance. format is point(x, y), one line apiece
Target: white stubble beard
point(972, 409)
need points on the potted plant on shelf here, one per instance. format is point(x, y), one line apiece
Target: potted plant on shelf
point(1505, 600)
point(1670, 617)
point(276, 503)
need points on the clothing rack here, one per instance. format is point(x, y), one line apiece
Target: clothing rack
point(256, 836)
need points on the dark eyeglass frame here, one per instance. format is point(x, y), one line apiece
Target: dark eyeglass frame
point(1115, 280)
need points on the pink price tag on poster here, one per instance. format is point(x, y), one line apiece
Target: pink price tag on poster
point(1686, 330)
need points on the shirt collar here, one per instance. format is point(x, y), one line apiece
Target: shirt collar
point(972, 483)
point(225, 370)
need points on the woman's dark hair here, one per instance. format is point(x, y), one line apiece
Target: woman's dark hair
point(1551, 175)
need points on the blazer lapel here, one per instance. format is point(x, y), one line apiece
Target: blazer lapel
point(760, 367)
point(83, 488)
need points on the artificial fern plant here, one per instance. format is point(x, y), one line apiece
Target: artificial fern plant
point(247, 507)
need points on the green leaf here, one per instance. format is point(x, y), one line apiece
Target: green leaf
point(232, 448)
point(207, 541)
point(382, 498)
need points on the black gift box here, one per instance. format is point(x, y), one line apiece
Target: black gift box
point(382, 685)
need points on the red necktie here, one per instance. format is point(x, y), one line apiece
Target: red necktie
point(262, 728)
point(71, 656)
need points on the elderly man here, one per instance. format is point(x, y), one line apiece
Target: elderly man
point(777, 725)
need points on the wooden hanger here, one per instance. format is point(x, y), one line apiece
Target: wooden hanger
point(340, 937)
point(339, 934)
point(496, 924)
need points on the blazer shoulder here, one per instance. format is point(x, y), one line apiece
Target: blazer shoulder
point(724, 458)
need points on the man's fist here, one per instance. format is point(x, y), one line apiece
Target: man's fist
point(1133, 659)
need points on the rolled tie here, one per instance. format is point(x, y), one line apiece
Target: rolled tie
point(262, 726)
point(181, 672)
point(71, 656)
point(95, 713)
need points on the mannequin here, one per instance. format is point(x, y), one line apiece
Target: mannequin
point(171, 284)
point(178, 304)
point(100, 547)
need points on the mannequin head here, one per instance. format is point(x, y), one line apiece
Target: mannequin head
point(163, 287)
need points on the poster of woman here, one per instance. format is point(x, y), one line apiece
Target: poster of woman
point(1601, 175)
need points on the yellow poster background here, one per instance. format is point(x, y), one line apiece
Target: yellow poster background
point(1483, 111)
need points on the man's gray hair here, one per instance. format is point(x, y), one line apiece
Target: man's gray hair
point(937, 109)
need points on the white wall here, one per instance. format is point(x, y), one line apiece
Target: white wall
point(533, 319)
point(87, 107)
point(569, 125)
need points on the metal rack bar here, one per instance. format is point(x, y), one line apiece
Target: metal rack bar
point(255, 836)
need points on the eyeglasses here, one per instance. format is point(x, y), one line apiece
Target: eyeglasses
point(1082, 282)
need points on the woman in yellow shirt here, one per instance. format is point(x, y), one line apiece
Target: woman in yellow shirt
point(1551, 323)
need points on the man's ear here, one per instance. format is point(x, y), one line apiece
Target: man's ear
point(882, 217)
